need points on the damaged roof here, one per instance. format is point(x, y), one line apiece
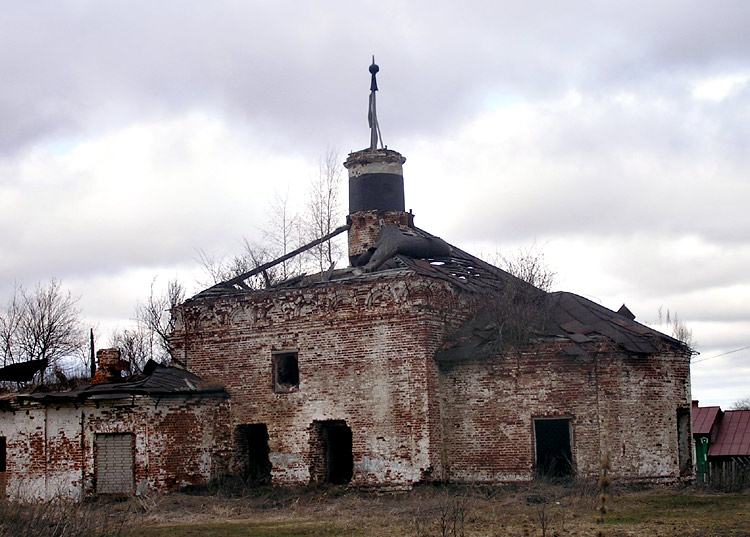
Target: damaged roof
point(157, 381)
point(566, 316)
point(576, 317)
point(415, 251)
point(454, 265)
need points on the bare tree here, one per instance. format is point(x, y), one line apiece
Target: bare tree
point(252, 256)
point(520, 307)
point(43, 324)
point(677, 327)
point(10, 320)
point(155, 318)
point(216, 269)
point(283, 234)
point(529, 265)
point(741, 404)
point(136, 346)
point(518, 310)
point(287, 230)
point(323, 212)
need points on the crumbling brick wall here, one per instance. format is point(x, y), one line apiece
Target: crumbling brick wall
point(619, 404)
point(365, 353)
point(52, 450)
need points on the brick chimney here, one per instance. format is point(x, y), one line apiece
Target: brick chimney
point(376, 197)
point(110, 366)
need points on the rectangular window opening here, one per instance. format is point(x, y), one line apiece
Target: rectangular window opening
point(285, 372)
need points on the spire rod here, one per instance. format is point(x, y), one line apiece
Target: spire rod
point(372, 116)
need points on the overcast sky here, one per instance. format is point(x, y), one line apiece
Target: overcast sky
point(612, 134)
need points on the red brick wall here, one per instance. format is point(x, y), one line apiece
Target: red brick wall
point(365, 354)
point(619, 404)
point(52, 451)
point(365, 228)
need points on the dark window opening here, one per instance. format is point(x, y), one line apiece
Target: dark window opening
point(684, 449)
point(554, 457)
point(286, 372)
point(331, 452)
point(252, 448)
point(3, 460)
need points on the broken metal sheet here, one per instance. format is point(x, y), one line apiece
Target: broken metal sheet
point(22, 371)
point(162, 381)
point(576, 327)
point(395, 240)
point(579, 338)
point(574, 350)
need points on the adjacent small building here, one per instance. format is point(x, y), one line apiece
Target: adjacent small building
point(722, 446)
point(120, 436)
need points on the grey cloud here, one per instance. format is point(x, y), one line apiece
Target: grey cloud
point(288, 65)
point(290, 78)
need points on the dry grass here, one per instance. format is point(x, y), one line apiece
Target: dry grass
point(522, 510)
point(61, 518)
point(534, 509)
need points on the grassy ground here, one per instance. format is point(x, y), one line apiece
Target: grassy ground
point(536, 509)
point(530, 510)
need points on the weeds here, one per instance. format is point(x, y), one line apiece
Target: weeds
point(60, 518)
point(604, 482)
point(448, 519)
point(543, 508)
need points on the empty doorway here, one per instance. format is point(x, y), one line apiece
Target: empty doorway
point(252, 448)
point(554, 456)
point(331, 452)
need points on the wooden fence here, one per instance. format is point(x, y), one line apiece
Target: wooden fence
point(731, 474)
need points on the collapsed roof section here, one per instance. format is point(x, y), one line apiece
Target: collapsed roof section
point(410, 250)
point(156, 381)
point(414, 251)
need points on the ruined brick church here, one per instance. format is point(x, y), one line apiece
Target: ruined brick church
point(417, 362)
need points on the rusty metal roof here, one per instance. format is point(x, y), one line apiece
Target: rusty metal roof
point(160, 381)
point(733, 436)
point(704, 418)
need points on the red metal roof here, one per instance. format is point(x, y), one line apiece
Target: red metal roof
point(733, 437)
point(704, 418)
